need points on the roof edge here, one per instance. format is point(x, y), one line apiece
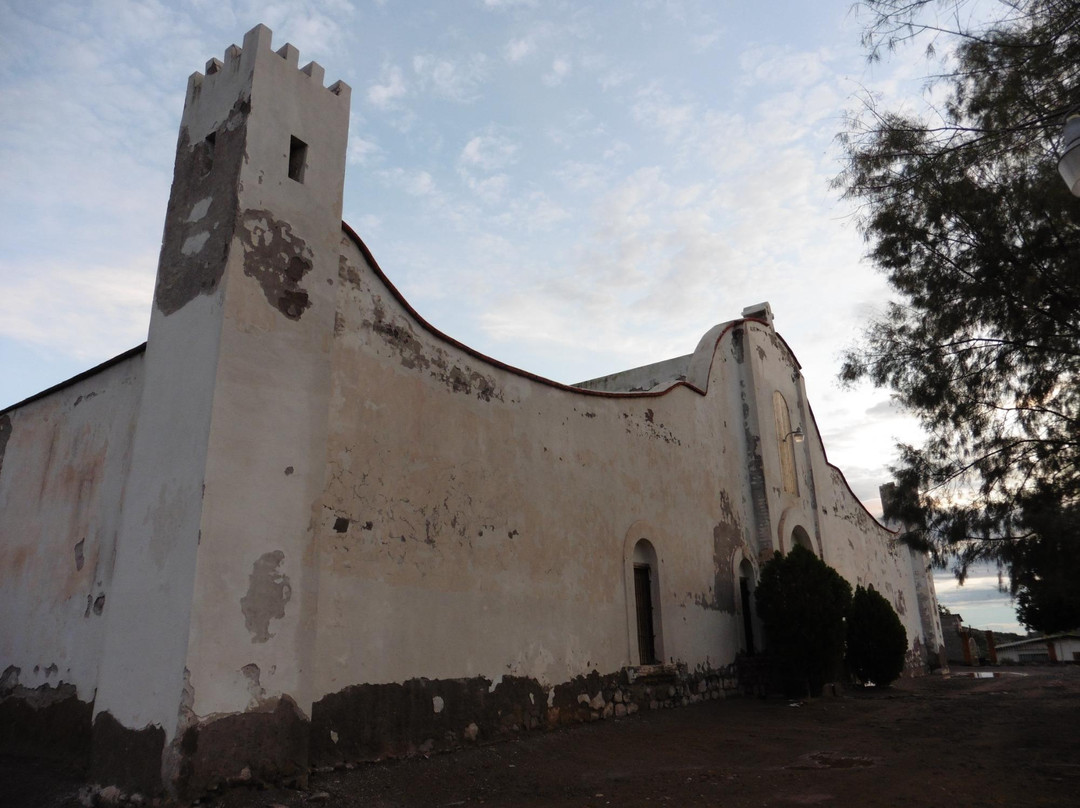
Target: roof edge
point(721, 330)
point(400, 298)
point(86, 374)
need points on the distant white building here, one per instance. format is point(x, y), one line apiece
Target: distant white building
point(1053, 648)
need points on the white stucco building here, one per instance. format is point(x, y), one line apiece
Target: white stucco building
point(1051, 648)
point(301, 526)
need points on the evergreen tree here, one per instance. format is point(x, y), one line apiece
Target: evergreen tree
point(1045, 571)
point(802, 601)
point(876, 639)
point(965, 214)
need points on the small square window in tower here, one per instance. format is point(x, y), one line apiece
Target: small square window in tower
point(297, 159)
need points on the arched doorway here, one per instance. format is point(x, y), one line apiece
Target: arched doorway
point(647, 603)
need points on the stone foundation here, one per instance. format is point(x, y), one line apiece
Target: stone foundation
point(372, 722)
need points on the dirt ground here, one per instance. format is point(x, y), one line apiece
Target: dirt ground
point(1011, 740)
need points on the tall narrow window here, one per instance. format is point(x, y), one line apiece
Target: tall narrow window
point(297, 159)
point(786, 444)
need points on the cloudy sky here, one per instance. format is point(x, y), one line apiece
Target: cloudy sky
point(572, 187)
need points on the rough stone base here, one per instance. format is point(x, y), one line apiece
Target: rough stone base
point(46, 722)
point(127, 758)
point(370, 722)
point(277, 743)
point(270, 744)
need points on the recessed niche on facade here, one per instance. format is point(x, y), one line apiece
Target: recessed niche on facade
point(208, 153)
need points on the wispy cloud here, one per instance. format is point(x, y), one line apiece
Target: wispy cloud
point(534, 212)
point(453, 79)
point(655, 110)
point(415, 182)
point(95, 310)
point(519, 48)
point(389, 88)
point(489, 151)
point(575, 125)
point(772, 65)
point(704, 41)
point(581, 176)
point(561, 68)
point(615, 77)
point(482, 162)
point(360, 150)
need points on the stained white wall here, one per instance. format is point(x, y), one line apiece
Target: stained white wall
point(62, 474)
point(256, 579)
point(484, 518)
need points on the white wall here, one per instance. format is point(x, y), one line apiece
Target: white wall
point(485, 516)
point(62, 473)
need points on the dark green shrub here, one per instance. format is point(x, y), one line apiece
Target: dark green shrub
point(802, 602)
point(876, 639)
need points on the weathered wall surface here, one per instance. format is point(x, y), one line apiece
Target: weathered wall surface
point(867, 554)
point(64, 461)
point(480, 523)
point(227, 460)
point(822, 507)
point(255, 589)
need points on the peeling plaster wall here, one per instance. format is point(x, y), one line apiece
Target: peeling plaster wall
point(867, 554)
point(215, 569)
point(256, 575)
point(771, 367)
point(841, 530)
point(475, 521)
point(62, 474)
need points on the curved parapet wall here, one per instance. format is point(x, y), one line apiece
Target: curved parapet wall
point(506, 506)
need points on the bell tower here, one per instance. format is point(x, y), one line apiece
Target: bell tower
point(212, 613)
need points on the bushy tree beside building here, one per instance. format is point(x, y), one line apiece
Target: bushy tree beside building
point(1045, 573)
point(876, 639)
point(802, 603)
point(967, 218)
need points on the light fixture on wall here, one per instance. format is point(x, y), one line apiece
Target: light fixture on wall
point(1069, 164)
point(796, 434)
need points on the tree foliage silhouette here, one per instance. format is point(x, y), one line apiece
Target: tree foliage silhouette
point(802, 602)
point(876, 639)
point(966, 216)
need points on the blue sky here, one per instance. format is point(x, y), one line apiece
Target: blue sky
point(571, 187)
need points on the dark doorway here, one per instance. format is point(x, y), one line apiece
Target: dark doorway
point(747, 617)
point(643, 598)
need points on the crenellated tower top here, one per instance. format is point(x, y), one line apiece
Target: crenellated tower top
point(258, 134)
point(240, 61)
